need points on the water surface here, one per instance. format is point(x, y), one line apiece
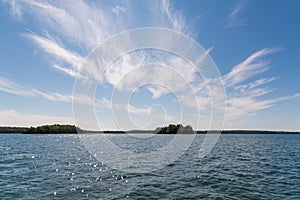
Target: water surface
point(239, 167)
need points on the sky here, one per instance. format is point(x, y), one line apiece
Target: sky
point(254, 44)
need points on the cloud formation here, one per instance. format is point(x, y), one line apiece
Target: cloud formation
point(250, 67)
point(12, 117)
point(12, 87)
point(84, 25)
point(245, 99)
point(234, 19)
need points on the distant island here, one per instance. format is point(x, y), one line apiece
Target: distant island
point(170, 129)
point(45, 129)
point(174, 129)
point(52, 129)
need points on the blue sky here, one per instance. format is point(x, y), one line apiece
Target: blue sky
point(255, 45)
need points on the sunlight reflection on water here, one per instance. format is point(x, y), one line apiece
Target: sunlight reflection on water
point(240, 166)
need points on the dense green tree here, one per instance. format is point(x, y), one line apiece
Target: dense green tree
point(52, 129)
point(174, 129)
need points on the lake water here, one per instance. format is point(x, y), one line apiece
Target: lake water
point(239, 167)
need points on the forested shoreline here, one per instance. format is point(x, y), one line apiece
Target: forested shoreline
point(171, 129)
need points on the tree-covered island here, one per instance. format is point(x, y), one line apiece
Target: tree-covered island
point(175, 129)
point(170, 129)
point(52, 129)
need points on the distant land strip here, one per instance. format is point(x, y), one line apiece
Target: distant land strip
point(171, 129)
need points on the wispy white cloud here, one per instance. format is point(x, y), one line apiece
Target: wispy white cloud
point(15, 8)
point(250, 67)
point(255, 84)
point(118, 10)
point(155, 115)
point(245, 99)
point(254, 89)
point(53, 48)
point(14, 118)
point(84, 25)
point(244, 106)
point(103, 103)
point(138, 111)
point(174, 16)
point(12, 87)
point(71, 20)
point(67, 70)
point(44, 6)
point(157, 91)
point(121, 67)
point(234, 19)
point(68, 33)
point(160, 67)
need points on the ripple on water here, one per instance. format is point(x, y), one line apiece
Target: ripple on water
point(239, 167)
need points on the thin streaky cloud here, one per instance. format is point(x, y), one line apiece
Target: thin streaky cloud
point(12, 87)
point(257, 83)
point(157, 91)
point(9, 117)
point(84, 25)
point(118, 10)
point(254, 88)
point(244, 99)
point(53, 48)
point(246, 106)
point(88, 33)
point(81, 24)
point(103, 103)
point(66, 70)
point(285, 98)
point(147, 110)
point(250, 67)
point(44, 6)
point(234, 19)
point(15, 8)
point(174, 17)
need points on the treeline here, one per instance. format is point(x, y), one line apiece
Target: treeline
point(175, 129)
point(171, 129)
point(246, 132)
point(52, 129)
point(12, 129)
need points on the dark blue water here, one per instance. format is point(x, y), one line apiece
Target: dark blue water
point(239, 167)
